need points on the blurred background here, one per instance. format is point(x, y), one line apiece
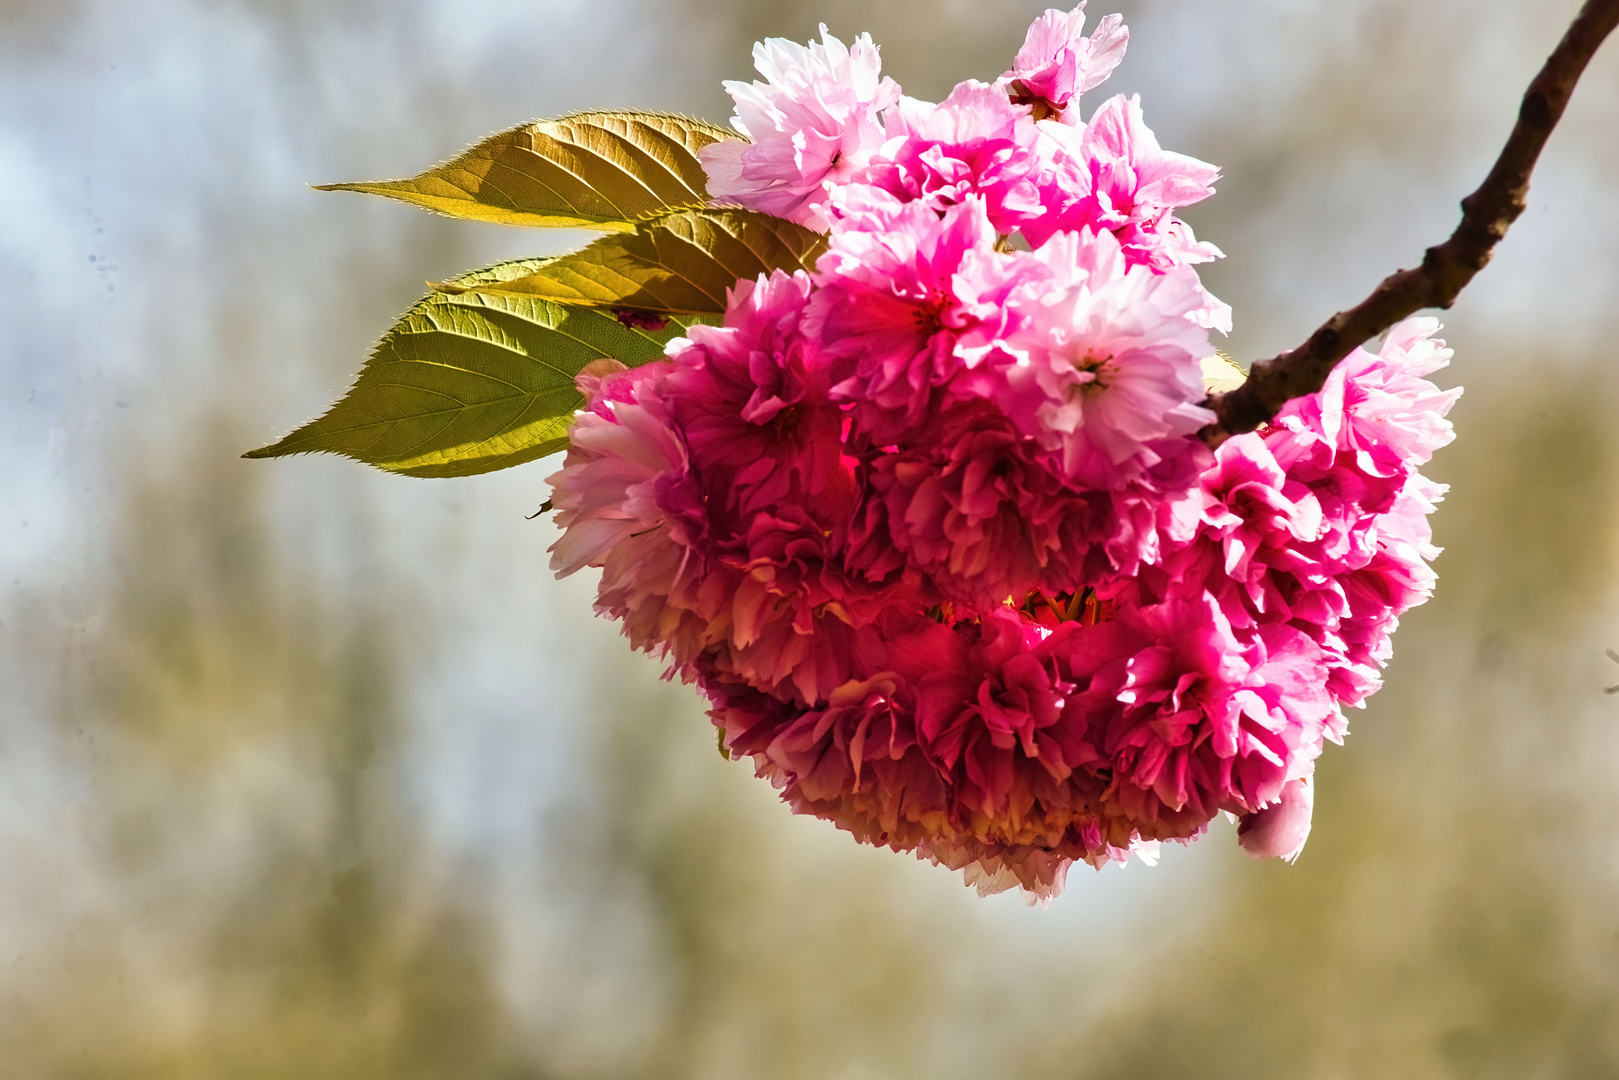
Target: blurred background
point(311, 771)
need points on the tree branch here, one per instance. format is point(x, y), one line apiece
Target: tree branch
point(1447, 268)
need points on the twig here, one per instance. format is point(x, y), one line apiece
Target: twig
point(1445, 269)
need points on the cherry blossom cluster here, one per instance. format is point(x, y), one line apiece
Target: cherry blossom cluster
point(933, 526)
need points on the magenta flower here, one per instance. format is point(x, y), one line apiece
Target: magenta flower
point(752, 400)
point(963, 752)
point(1200, 717)
point(972, 509)
point(774, 491)
point(814, 121)
point(1250, 503)
point(713, 491)
point(974, 143)
point(1338, 546)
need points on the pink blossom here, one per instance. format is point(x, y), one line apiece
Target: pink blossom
point(1108, 374)
point(1381, 419)
point(1380, 407)
point(975, 511)
point(974, 143)
point(713, 491)
point(773, 491)
point(957, 752)
point(1201, 717)
point(1113, 175)
point(1008, 750)
point(1250, 503)
point(888, 304)
point(1279, 830)
point(1058, 63)
point(1134, 180)
point(752, 399)
point(1328, 535)
point(814, 121)
point(971, 508)
point(855, 759)
point(1396, 579)
point(932, 527)
point(624, 461)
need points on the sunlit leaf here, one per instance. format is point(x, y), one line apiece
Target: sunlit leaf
point(676, 263)
point(594, 170)
point(472, 383)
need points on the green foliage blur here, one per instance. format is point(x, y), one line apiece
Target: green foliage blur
point(308, 771)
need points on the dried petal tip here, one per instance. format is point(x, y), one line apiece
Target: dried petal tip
point(1278, 831)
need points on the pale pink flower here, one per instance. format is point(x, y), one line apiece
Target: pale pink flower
point(1058, 63)
point(1112, 175)
point(1108, 376)
point(814, 121)
point(1381, 408)
point(1279, 830)
point(1134, 180)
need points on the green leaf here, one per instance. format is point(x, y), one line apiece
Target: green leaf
point(594, 170)
point(473, 383)
point(680, 262)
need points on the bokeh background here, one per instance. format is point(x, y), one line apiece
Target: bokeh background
point(311, 771)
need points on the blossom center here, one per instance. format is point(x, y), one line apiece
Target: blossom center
point(1043, 108)
point(1095, 373)
point(930, 315)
